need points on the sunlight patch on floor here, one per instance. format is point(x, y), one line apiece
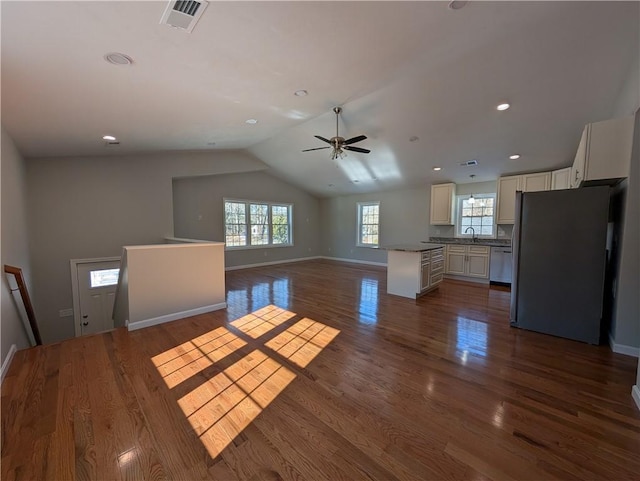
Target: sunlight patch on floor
point(227, 401)
point(222, 407)
point(303, 341)
point(188, 359)
point(262, 321)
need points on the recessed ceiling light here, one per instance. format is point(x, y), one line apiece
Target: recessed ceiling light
point(251, 121)
point(457, 4)
point(514, 156)
point(108, 137)
point(504, 106)
point(437, 168)
point(301, 93)
point(117, 58)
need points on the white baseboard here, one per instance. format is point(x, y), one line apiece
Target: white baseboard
point(132, 326)
point(355, 261)
point(7, 361)
point(623, 349)
point(635, 394)
point(271, 263)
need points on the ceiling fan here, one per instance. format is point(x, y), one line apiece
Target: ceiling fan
point(340, 144)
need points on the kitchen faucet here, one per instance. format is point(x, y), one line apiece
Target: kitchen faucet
point(473, 233)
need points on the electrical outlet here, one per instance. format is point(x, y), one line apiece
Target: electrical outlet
point(65, 312)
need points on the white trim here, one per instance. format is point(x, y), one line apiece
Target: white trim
point(7, 361)
point(132, 326)
point(359, 206)
point(623, 349)
point(271, 263)
point(73, 263)
point(355, 261)
point(635, 394)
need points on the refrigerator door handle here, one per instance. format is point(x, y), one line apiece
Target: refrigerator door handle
point(515, 248)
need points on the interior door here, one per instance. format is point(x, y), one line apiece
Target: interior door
point(97, 283)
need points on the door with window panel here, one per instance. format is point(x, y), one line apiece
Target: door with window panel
point(97, 283)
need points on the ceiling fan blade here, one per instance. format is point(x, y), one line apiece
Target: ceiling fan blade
point(353, 140)
point(356, 149)
point(323, 139)
point(317, 148)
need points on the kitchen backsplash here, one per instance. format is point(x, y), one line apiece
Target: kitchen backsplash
point(504, 231)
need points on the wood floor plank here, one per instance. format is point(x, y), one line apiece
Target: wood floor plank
point(432, 389)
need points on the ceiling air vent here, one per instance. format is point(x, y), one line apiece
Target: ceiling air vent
point(469, 163)
point(183, 14)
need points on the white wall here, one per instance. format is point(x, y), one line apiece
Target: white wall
point(92, 207)
point(404, 218)
point(14, 241)
point(198, 213)
point(169, 282)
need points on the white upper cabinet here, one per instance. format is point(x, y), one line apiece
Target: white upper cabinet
point(442, 204)
point(536, 182)
point(507, 187)
point(604, 152)
point(560, 178)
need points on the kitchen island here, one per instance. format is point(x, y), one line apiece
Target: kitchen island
point(414, 269)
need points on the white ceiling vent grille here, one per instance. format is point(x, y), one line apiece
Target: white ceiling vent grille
point(469, 163)
point(183, 14)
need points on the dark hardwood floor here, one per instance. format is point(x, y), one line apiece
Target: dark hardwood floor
point(314, 372)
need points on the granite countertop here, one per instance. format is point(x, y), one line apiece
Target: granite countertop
point(467, 241)
point(424, 246)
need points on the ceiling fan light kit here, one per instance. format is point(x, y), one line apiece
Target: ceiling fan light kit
point(340, 144)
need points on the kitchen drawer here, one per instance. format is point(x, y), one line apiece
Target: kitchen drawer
point(437, 254)
point(457, 248)
point(426, 256)
point(437, 266)
point(483, 250)
point(436, 278)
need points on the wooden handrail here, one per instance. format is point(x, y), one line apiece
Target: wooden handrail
point(26, 300)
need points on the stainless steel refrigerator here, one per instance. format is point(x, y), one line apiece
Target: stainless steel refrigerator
point(559, 262)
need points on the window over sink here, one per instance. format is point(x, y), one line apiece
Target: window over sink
point(475, 216)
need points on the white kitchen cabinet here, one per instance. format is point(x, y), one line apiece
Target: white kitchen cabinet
point(604, 152)
point(468, 260)
point(442, 204)
point(560, 178)
point(536, 182)
point(509, 185)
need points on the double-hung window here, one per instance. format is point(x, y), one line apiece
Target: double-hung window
point(257, 224)
point(368, 224)
point(476, 217)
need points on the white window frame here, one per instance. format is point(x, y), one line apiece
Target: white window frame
point(247, 224)
point(359, 242)
point(458, 223)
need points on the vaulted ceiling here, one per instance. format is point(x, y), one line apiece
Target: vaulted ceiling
point(420, 80)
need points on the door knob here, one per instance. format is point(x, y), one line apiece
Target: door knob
point(85, 323)
point(85, 316)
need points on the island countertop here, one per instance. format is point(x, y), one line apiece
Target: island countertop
point(412, 247)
